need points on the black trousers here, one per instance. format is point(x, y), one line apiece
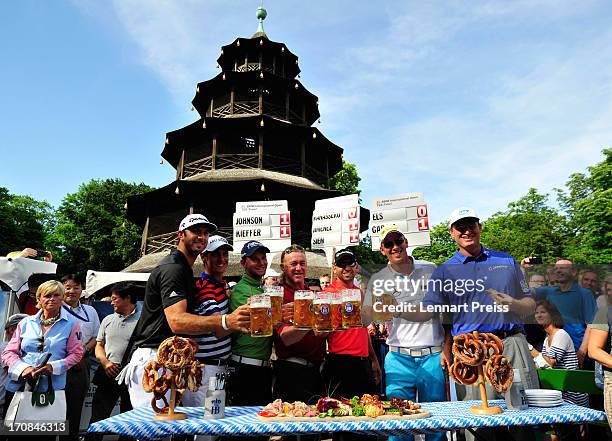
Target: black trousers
point(249, 385)
point(296, 382)
point(77, 384)
point(347, 376)
point(104, 400)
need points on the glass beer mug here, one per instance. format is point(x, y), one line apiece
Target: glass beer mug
point(336, 310)
point(381, 303)
point(303, 317)
point(322, 306)
point(276, 301)
point(351, 308)
point(261, 316)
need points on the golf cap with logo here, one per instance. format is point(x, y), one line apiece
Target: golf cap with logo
point(14, 320)
point(251, 247)
point(196, 219)
point(388, 230)
point(216, 242)
point(462, 213)
point(344, 257)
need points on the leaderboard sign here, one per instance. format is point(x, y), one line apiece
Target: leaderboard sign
point(335, 222)
point(266, 221)
point(408, 212)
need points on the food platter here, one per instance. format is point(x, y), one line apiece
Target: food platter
point(364, 408)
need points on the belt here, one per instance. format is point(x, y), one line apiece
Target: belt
point(215, 362)
point(346, 357)
point(250, 361)
point(299, 360)
point(504, 334)
point(416, 352)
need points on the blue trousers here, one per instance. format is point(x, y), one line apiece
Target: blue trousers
point(406, 375)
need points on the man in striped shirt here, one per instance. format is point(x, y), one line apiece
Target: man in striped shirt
point(212, 298)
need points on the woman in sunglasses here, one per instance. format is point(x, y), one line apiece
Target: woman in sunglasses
point(45, 343)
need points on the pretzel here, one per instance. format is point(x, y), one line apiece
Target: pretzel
point(468, 349)
point(194, 376)
point(492, 343)
point(154, 401)
point(498, 371)
point(150, 375)
point(176, 352)
point(463, 373)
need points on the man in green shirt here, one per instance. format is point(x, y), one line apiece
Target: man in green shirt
point(251, 381)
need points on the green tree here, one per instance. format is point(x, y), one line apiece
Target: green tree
point(92, 230)
point(346, 181)
point(442, 245)
point(24, 222)
point(588, 204)
point(529, 227)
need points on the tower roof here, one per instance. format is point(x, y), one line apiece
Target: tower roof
point(261, 15)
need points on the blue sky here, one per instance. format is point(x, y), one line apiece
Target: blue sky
point(470, 102)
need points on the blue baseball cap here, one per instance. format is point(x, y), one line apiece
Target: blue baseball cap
point(251, 247)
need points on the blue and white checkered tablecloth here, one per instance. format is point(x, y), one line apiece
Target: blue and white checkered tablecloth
point(450, 415)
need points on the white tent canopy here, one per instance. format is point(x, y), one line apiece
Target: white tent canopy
point(97, 280)
point(15, 271)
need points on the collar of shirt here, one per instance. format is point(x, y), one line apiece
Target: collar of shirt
point(36, 317)
point(130, 314)
point(211, 279)
point(459, 257)
point(251, 281)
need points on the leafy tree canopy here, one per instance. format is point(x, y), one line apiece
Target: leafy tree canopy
point(24, 222)
point(346, 181)
point(92, 230)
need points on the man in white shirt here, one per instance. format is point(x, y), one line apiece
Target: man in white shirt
point(414, 364)
point(77, 379)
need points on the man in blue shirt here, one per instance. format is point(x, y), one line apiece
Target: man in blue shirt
point(576, 305)
point(483, 290)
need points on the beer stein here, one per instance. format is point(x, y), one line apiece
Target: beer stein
point(303, 317)
point(351, 308)
point(261, 316)
point(322, 306)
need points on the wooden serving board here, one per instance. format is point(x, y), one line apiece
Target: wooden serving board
point(422, 414)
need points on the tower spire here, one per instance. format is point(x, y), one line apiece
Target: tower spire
point(261, 15)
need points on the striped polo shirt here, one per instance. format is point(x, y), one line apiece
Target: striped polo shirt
point(211, 298)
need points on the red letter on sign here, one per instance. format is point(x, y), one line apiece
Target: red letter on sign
point(354, 238)
point(285, 219)
point(353, 226)
point(423, 224)
point(285, 232)
point(352, 214)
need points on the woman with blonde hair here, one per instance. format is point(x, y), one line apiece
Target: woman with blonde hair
point(50, 331)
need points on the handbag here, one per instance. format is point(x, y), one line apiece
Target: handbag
point(36, 406)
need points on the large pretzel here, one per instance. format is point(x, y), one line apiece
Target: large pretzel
point(468, 349)
point(463, 373)
point(498, 371)
point(151, 374)
point(492, 343)
point(176, 352)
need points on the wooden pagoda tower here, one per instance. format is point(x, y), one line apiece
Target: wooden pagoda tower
point(254, 140)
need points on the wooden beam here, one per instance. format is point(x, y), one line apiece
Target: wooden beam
point(232, 97)
point(287, 103)
point(181, 164)
point(214, 152)
point(145, 236)
point(303, 146)
point(260, 153)
point(260, 100)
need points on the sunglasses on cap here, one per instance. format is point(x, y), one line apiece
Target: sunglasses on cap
point(41, 344)
point(388, 244)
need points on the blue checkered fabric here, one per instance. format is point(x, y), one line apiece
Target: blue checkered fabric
point(451, 415)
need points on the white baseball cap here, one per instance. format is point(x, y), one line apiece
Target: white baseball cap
point(388, 230)
point(462, 213)
point(216, 242)
point(196, 219)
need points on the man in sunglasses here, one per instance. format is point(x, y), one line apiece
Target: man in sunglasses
point(487, 293)
point(416, 349)
point(351, 367)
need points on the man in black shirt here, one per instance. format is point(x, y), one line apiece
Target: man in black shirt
point(168, 294)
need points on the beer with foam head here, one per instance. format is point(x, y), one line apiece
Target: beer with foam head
point(261, 316)
point(336, 306)
point(351, 308)
point(276, 302)
point(382, 303)
point(303, 316)
point(322, 306)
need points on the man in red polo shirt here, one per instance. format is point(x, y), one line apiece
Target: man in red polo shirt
point(299, 352)
point(351, 367)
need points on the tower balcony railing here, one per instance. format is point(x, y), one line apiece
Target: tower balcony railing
point(250, 108)
point(250, 67)
point(251, 160)
point(160, 242)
